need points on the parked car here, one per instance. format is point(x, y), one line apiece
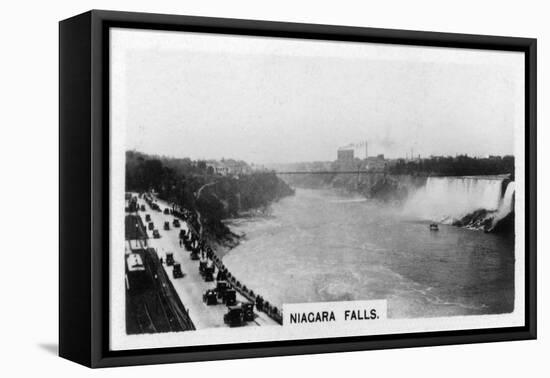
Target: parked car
point(210, 297)
point(230, 297)
point(176, 271)
point(248, 311)
point(169, 258)
point(221, 287)
point(208, 273)
point(234, 316)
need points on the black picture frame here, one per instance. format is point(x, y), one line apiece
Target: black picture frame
point(84, 182)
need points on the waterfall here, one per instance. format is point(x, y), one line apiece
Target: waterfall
point(448, 199)
point(507, 203)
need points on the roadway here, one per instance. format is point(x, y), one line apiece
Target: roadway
point(191, 286)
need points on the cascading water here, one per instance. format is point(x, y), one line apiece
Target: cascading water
point(448, 199)
point(507, 202)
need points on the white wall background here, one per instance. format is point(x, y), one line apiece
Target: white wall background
point(29, 192)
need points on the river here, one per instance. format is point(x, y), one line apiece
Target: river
point(319, 245)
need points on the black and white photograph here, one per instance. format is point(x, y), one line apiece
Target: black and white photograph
point(275, 188)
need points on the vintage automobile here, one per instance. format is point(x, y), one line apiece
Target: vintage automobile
point(169, 258)
point(210, 297)
point(234, 316)
point(156, 234)
point(209, 273)
point(176, 223)
point(151, 226)
point(147, 218)
point(166, 225)
point(195, 255)
point(142, 208)
point(166, 211)
point(221, 287)
point(176, 271)
point(202, 267)
point(230, 297)
point(248, 311)
point(221, 276)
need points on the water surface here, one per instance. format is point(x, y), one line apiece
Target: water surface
point(323, 246)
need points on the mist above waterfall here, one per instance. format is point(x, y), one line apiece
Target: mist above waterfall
point(449, 199)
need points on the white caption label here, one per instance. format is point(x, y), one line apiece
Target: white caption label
point(337, 313)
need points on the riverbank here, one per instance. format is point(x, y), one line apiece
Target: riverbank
point(222, 249)
point(227, 241)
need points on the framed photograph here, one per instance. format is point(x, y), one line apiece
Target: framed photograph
point(235, 188)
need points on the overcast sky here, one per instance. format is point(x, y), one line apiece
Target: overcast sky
point(267, 100)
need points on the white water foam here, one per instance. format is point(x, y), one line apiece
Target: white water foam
point(507, 203)
point(445, 199)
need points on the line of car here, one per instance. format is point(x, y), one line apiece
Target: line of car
point(238, 312)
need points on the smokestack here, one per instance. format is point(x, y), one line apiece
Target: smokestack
point(366, 150)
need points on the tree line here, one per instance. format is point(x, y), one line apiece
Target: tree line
point(461, 165)
point(195, 186)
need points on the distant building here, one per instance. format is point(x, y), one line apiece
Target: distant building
point(376, 163)
point(229, 167)
point(218, 168)
point(345, 155)
point(237, 167)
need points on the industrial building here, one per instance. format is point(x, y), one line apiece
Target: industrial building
point(345, 154)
